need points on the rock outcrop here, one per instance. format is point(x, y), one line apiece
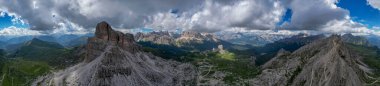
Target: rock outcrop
point(114, 59)
point(188, 40)
point(357, 40)
point(105, 35)
point(156, 37)
point(327, 62)
point(195, 37)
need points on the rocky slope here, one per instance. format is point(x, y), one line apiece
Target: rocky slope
point(267, 52)
point(188, 40)
point(326, 62)
point(156, 37)
point(357, 40)
point(164, 37)
point(114, 59)
point(251, 38)
point(195, 37)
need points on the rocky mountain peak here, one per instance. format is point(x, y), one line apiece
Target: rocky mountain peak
point(327, 62)
point(161, 37)
point(105, 32)
point(357, 40)
point(191, 34)
point(105, 35)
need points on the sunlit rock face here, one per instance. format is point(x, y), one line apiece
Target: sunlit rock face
point(114, 59)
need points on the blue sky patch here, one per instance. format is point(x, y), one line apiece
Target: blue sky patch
point(361, 11)
point(6, 21)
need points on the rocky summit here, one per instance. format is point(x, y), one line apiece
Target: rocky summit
point(156, 37)
point(114, 59)
point(327, 62)
point(104, 36)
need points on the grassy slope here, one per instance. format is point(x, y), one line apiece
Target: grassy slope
point(20, 72)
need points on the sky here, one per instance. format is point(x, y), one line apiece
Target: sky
point(33, 17)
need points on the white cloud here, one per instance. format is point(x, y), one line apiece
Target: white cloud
point(68, 27)
point(215, 16)
point(374, 3)
point(168, 21)
point(313, 14)
point(376, 28)
point(2, 14)
point(250, 14)
point(14, 31)
point(78, 16)
point(348, 26)
point(87, 13)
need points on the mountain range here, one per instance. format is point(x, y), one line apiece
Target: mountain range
point(188, 40)
point(113, 58)
point(251, 38)
point(67, 40)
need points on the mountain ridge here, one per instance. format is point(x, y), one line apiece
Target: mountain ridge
point(330, 57)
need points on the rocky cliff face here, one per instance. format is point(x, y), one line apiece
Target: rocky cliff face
point(114, 59)
point(251, 38)
point(164, 37)
point(195, 37)
point(327, 62)
point(156, 37)
point(187, 40)
point(104, 36)
point(357, 40)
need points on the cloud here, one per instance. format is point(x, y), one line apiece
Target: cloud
point(256, 15)
point(81, 16)
point(213, 16)
point(374, 3)
point(313, 14)
point(196, 14)
point(2, 14)
point(45, 15)
point(14, 31)
point(250, 14)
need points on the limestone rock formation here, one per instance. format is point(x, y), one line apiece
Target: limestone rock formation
point(195, 37)
point(357, 40)
point(327, 62)
point(114, 59)
point(156, 37)
point(187, 40)
point(104, 35)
